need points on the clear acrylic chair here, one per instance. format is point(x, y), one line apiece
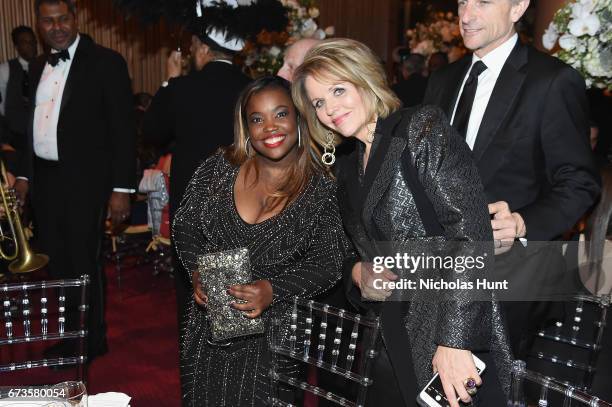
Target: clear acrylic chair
point(578, 334)
point(327, 338)
point(127, 245)
point(37, 312)
point(549, 388)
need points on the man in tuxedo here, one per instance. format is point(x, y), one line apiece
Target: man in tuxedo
point(79, 159)
point(524, 115)
point(15, 85)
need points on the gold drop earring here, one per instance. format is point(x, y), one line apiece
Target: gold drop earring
point(329, 150)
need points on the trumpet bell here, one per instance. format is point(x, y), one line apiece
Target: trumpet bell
point(28, 263)
point(23, 260)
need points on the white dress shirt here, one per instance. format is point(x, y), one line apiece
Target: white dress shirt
point(48, 103)
point(494, 61)
point(5, 72)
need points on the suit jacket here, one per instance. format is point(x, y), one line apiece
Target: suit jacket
point(421, 189)
point(197, 113)
point(532, 148)
point(16, 109)
point(412, 90)
point(96, 139)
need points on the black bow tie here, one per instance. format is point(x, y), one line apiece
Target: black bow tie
point(54, 58)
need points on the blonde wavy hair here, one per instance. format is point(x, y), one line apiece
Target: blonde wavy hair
point(343, 60)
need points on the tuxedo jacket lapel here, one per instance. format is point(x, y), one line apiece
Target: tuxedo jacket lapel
point(77, 69)
point(504, 94)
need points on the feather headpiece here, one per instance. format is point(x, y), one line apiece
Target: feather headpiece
point(221, 24)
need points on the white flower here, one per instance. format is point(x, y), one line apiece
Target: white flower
point(582, 9)
point(598, 61)
point(274, 51)
point(313, 12)
point(605, 57)
point(568, 42)
point(308, 28)
point(550, 36)
point(588, 24)
point(593, 66)
point(606, 33)
point(330, 31)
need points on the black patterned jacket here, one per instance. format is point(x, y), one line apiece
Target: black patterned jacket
point(448, 182)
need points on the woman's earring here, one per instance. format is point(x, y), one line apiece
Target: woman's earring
point(370, 136)
point(329, 150)
point(246, 146)
point(299, 136)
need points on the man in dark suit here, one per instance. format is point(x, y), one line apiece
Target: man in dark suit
point(196, 112)
point(411, 87)
point(524, 115)
point(15, 85)
point(79, 160)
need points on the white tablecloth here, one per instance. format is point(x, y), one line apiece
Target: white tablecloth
point(110, 399)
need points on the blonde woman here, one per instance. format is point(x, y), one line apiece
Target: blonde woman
point(410, 178)
point(267, 193)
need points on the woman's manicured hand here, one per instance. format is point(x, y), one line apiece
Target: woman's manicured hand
point(198, 292)
point(455, 366)
point(258, 295)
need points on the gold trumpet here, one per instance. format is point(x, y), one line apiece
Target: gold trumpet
point(23, 260)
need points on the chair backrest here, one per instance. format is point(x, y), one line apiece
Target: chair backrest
point(328, 338)
point(156, 185)
point(38, 312)
point(549, 388)
point(574, 333)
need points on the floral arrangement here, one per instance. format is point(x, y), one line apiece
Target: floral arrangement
point(265, 55)
point(440, 34)
point(583, 30)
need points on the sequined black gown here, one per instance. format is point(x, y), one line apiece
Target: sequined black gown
point(300, 251)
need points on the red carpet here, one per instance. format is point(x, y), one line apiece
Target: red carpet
point(142, 337)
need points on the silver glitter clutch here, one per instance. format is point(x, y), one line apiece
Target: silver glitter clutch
point(218, 271)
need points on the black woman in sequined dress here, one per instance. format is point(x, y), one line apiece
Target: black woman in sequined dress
point(268, 193)
point(410, 180)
